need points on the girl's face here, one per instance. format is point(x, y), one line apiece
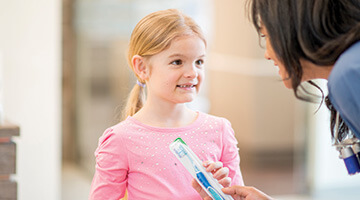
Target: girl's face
point(270, 55)
point(177, 72)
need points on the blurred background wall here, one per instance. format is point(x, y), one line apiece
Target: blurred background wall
point(65, 79)
point(30, 78)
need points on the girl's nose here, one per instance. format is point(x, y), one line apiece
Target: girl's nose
point(191, 72)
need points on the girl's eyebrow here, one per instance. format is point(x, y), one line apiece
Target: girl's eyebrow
point(182, 55)
point(176, 55)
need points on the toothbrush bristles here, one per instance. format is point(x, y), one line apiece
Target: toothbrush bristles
point(180, 151)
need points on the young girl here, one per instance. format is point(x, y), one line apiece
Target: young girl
point(166, 53)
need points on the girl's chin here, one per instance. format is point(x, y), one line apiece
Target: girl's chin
point(189, 99)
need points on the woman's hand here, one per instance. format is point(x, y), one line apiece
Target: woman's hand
point(219, 172)
point(245, 193)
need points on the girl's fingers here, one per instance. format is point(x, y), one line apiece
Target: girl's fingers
point(196, 186)
point(221, 173)
point(225, 182)
point(207, 163)
point(200, 190)
point(213, 166)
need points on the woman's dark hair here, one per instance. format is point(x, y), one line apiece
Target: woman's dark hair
point(315, 30)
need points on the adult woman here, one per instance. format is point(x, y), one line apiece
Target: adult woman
point(311, 39)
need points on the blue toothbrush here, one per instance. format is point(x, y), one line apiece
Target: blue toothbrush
point(181, 152)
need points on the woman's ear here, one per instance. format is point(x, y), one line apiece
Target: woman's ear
point(140, 66)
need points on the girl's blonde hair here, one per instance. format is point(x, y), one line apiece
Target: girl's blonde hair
point(151, 35)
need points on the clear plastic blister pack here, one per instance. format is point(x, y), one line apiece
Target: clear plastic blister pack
point(194, 165)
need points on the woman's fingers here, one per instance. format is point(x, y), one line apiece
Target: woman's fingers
point(245, 192)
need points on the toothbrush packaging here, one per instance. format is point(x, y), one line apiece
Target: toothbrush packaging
point(194, 165)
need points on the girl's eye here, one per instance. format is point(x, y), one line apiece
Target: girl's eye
point(176, 62)
point(199, 62)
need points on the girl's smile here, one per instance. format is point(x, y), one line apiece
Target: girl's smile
point(176, 73)
point(187, 86)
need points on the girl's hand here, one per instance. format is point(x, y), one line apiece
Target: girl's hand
point(219, 172)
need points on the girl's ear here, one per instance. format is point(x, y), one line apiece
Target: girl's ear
point(140, 67)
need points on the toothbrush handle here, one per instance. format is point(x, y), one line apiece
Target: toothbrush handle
point(207, 185)
point(203, 180)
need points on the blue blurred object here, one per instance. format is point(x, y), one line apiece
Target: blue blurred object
point(351, 161)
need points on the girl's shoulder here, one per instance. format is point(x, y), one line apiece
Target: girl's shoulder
point(217, 125)
point(121, 129)
point(213, 119)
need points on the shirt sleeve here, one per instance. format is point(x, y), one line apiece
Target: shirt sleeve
point(110, 178)
point(344, 94)
point(230, 154)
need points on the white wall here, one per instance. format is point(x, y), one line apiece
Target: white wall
point(30, 42)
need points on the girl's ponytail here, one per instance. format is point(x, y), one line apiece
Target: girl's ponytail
point(135, 100)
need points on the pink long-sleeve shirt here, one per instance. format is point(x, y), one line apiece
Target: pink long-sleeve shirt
point(136, 157)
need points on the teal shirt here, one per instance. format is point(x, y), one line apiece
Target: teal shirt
point(344, 87)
